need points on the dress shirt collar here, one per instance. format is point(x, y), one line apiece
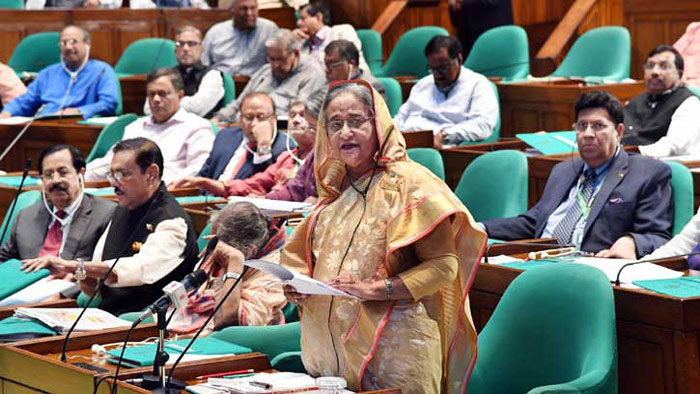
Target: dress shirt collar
point(602, 169)
point(70, 210)
point(178, 117)
point(319, 37)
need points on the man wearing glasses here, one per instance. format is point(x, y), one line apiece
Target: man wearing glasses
point(77, 85)
point(185, 139)
point(149, 233)
point(454, 102)
point(665, 120)
point(242, 151)
point(607, 202)
point(287, 76)
point(67, 222)
point(341, 63)
point(204, 87)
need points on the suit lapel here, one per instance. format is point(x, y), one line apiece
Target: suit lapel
point(78, 227)
point(562, 187)
point(615, 175)
point(43, 218)
point(229, 151)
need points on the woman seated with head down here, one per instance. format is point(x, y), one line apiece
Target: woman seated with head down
point(391, 233)
point(244, 233)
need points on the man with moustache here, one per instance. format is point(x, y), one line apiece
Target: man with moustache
point(237, 47)
point(77, 85)
point(67, 222)
point(204, 87)
point(607, 202)
point(341, 63)
point(149, 233)
point(664, 120)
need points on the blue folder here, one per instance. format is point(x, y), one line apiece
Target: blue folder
point(14, 279)
point(551, 143)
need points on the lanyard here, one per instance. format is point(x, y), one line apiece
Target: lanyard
point(585, 207)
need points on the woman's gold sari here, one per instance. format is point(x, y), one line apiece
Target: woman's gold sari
point(426, 345)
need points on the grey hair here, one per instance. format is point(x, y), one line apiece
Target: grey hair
point(362, 92)
point(284, 38)
point(243, 226)
point(188, 28)
point(314, 102)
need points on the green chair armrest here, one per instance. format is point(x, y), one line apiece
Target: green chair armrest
point(590, 382)
point(288, 361)
point(83, 299)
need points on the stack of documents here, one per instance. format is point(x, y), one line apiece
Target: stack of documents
point(61, 319)
point(262, 382)
point(202, 348)
point(16, 329)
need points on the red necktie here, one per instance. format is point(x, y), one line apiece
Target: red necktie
point(54, 237)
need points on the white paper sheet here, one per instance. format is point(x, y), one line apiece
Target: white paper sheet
point(273, 205)
point(644, 271)
point(302, 283)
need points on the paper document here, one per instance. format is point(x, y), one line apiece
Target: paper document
point(273, 205)
point(37, 292)
point(104, 121)
point(501, 259)
point(60, 319)
point(644, 271)
point(14, 120)
point(275, 382)
point(302, 283)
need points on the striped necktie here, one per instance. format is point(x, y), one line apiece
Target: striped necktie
point(565, 228)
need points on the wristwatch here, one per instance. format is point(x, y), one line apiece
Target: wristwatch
point(80, 273)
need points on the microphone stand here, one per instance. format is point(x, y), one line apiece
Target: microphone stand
point(17, 193)
point(156, 382)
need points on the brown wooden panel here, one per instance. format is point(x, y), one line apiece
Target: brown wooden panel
point(15, 25)
point(644, 350)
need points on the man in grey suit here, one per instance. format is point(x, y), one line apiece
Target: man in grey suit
point(67, 222)
point(607, 202)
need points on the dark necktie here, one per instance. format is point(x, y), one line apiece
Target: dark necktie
point(565, 228)
point(54, 237)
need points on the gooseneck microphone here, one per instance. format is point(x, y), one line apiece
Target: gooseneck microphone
point(487, 254)
point(619, 272)
point(176, 293)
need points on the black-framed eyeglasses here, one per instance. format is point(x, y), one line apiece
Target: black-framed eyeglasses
point(596, 126)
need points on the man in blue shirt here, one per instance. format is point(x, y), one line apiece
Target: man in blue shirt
point(76, 86)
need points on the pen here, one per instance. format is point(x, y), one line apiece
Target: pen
point(245, 375)
point(262, 385)
point(218, 375)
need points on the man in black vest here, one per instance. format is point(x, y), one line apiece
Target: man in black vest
point(204, 87)
point(150, 234)
point(665, 120)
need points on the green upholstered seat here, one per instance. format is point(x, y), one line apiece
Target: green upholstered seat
point(601, 54)
point(500, 52)
point(553, 331)
point(430, 159)
point(495, 185)
point(146, 55)
point(229, 88)
point(371, 48)
point(683, 199)
point(408, 56)
point(109, 136)
point(394, 97)
point(35, 52)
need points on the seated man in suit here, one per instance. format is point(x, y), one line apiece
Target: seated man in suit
point(606, 202)
point(240, 152)
point(316, 35)
point(67, 222)
point(150, 234)
point(664, 120)
point(75, 86)
point(184, 138)
point(204, 87)
point(454, 102)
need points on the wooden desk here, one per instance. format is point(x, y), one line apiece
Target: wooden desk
point(534, 106)
point(10, 310)
point(43, 134)
point(657, 335)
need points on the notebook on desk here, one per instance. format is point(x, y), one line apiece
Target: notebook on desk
point(202, 348)
point(14, 279)
point(551, 143)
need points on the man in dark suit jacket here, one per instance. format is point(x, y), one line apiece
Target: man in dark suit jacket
point(607, 202)
point(231, 158)
point(61, 168)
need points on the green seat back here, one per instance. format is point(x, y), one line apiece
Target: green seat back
point(394, 97)
point(146, 55)
point(408, 56)
point(109, 136)
point(270, 340)
point(496, 133)
point(12, 4)
point(500, 52)
point(495, 185)
point(201, 242)
point(371, 48)
point(24, 200)
point(553, 331)
point(229, 89)
point(35, 52)
point(430, 159)
point(120, 101)
point(682, 186)
point(599, 54)
point(82, 300)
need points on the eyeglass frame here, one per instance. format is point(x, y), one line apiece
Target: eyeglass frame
point(259, 117)
point(119, 175)
point(596, 126)
point(189, 44)
point(344, 122)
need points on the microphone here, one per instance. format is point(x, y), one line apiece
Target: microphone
point(516, 243)
point(21, 133)
point(175, 294)
point(617, 278)
point(14, 202)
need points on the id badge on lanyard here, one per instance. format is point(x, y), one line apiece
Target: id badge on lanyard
point(585, 208)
